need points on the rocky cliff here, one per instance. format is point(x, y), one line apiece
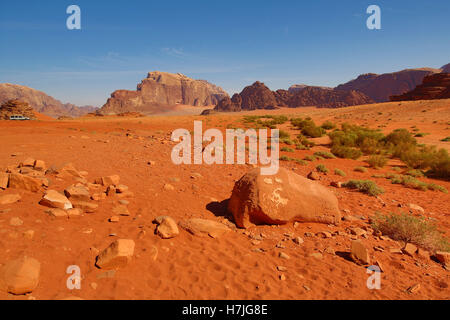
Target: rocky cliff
point(16, 108)
point(379, 87)
point(435, 86)
point(160, 90)
point(41, 102)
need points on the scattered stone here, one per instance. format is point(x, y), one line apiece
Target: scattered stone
point(20, 276)
point(324, 234)
point(114, 219)
point(283, 255)
point(107, 274)
point(108, 181)
point(77, 193)
point(111, 190)
point(29, 162)
point(117, 255)
point(280, 245)
point(350, 218)
point(413, 289)
point(416, 207)
point(298, 240)
point(20, 181)
point(282, 277)
point(330, 250)
point(395, 250)
point(336, 184)
point(121, 188)
point(54, 199)
point(74, 212)
point(169, 187)
point(9, 199)
point(87, 207)
point(39, 165)
point(15, 222)
point(313, 176)
point(57, 213)
point(410, 249)
point(121, 210)
point(295, 198)
point(4, 179)
point(316, 255)
point(378, 248)
point(357, 231)
point(124, 202)
point(309, 234)
point(167, 229)
point(281, 268)
point(359, 253)
point(201, 227)
point(423, 253)
point(443, 257)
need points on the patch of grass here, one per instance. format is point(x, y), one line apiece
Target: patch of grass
point(284, 135)
point(310, 158)
point(346, 152)
point(360, 169)
point(324, 154)
point(377, 161)
point(322, 168)
point(286, 149)
point(415, 173)
point(328, 125)
point(285, 158)
point(339, 172)
point(301, 162)
point(365, 186)
point(420, 135)
point(408, 228)
point(308, 127)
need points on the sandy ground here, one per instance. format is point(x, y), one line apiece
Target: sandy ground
point(190, 267)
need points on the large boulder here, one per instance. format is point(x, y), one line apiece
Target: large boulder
point(281, 198)
point(20, 276)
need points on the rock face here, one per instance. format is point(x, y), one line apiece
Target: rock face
point(16, 107)
point(20, 276)
point(282, 198)
point(379, 87)
point(325, 98)
point(435, 86)
point(161, 90)
point(258, 96)
point(41, 102)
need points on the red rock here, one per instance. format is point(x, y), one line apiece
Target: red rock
point(54, 199)
point(20, 276)
point(289, 197)
point(434, 86)
point(203, 227)
point(14, 106)
point(4, 179)
point(39, 165)
point(9, 199)
point(410, 249)
point(108, 181)
point(359, 253)
point(87, 207)
point(20, 181)
point(443, 257)
point(77, 193)
point(167, 229)
point(29, 162)
point(57, 213)
point(117, 255)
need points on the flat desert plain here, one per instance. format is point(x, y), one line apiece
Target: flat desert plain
point(262, 262)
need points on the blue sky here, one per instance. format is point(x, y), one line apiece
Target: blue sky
point(229, 43)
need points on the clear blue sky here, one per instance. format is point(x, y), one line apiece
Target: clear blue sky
point(229, 43)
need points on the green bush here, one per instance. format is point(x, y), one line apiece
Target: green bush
point(328, 125)
point(286, 149)
point(339, 172)
point(310, 158)
point(408, 228)
point(346, 152)
point(365, 186)
point(377, 161)
point(324, 154)
point(360, 169)
point(322, 168)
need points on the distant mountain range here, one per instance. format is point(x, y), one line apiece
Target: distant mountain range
point(163, 91)
point(41, 102)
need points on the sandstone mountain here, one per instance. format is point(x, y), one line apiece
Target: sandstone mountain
point(41, 102)
point(16, 107)
point(298, 87)
point(446, 68)
point(379, 87)
point(162, 90)
point(435, 86)
point(258, 96)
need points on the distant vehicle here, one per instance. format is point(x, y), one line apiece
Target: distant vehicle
point(18, 117)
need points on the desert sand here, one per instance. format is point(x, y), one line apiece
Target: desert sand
point(192, 267)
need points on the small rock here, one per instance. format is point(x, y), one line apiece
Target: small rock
point(416, 207)
point(298, 240)
point(282, 277)
point(316, 255)
point(114, 219)
point(443, 257)
point(121, 210)
point(357, 231)
point(54, 199)
point(324, 234)
point(169, 187)
point(20, 276)
point(57, 213)
point(4, 179)
point(85, 206)
point(117, 255)
point(283, 255)
point(359, 253)
point(77, 193)
point(9, 199)
point(200, 227)
point(313, 176)
point(39, 165)
point(167, 229)
point(74, 212)
point(121, 188)
point(281, 268)
point(15, 222)
point(410, 249)
point(413, 289)
point(29, 234)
